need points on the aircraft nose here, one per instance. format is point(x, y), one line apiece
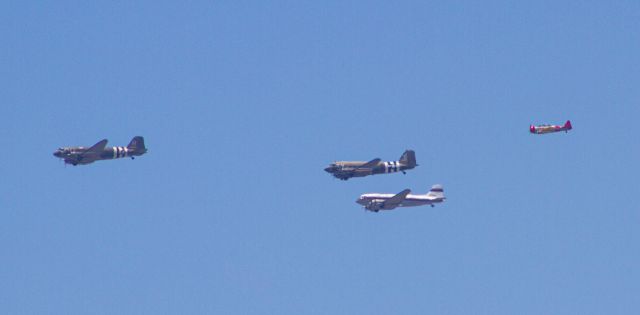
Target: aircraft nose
point(57, 153)
point(329, 169)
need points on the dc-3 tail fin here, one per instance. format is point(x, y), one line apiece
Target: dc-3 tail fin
point(436, 191)
point(408, 158)
point(567, 125)
point(137, 145)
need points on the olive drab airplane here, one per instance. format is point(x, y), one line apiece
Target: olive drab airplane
point(99, 151)
point(542, 129)
point(347, 169)
point(376, 202)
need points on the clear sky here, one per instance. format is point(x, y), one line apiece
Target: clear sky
point(243, 103)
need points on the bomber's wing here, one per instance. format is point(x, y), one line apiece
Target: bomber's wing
point(396, 200)
point(97, 148)
point(92, 153)
point(367, 165)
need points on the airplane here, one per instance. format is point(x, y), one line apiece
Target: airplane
point(99, 151)
point(375, 202)
point(542, 129)
point(347, 169)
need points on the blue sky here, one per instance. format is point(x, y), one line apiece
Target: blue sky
point(242, 104)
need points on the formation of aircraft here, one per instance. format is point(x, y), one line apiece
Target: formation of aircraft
point(100, 151)
point(376, 202)
point(542, 129)
point(347, 169)
point(343, 170)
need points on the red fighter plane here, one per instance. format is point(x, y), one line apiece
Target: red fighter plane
point(550, 128)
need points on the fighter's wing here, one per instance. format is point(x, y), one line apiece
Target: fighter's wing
point(367, 165)
point(396, 200)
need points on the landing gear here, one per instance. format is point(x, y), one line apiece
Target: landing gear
point(432, 206)
point(403, 172)
point(133, 158)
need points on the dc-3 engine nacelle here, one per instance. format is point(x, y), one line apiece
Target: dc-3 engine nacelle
point(375, 205)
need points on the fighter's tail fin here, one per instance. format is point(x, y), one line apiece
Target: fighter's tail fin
point(436, 191)
point(137, 145)
point(567, 125)
point(408, 158)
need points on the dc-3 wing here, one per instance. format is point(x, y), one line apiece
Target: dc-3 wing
point(396, 200)
point(96, 149)
point(367, 165)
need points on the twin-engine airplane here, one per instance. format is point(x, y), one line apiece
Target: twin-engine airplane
point(100, 151)
point(540, 129)
point(377, 202)
point(347, 169)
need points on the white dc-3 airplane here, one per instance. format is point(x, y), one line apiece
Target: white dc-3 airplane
point(376, 202)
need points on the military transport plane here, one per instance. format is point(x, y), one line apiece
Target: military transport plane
point(377, 202)
point(541, 129)
point(99, 151)
point(347, 169)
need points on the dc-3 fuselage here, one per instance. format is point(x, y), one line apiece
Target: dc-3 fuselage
point(376, 202)
point(542, 129)
point(347, 169)
point(99, 151)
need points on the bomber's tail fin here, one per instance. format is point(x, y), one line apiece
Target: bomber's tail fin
point(567, 125)
point(137, 145)
point(436, 192)
point(408, 158)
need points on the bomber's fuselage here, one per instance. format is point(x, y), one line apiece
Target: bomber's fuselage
point(409, 201)
point(74, 155)
point(346, 169)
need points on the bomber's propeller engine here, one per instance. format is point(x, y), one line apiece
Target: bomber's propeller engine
point(375, 205)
